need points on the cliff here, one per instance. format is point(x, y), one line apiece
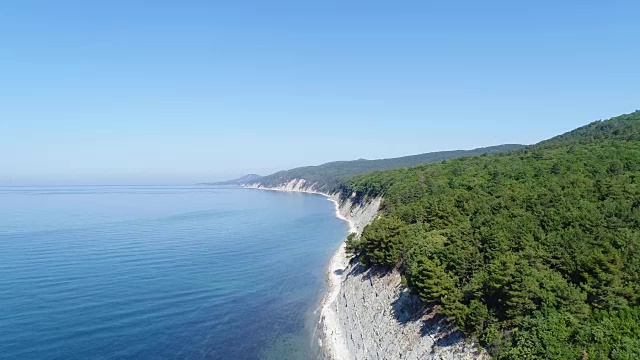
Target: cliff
point(381, 320)
point(368, 314)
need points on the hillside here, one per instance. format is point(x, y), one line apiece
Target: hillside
point(328, 177)
point(239, 181)
point(535, 253)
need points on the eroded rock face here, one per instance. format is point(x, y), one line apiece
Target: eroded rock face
point(358, 215)
point(295, 185)
point(381, 320)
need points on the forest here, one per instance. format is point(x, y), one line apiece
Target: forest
point(328, 177)
point(533, 253)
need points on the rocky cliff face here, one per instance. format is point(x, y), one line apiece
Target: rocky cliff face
point(368, 314)
point(297, 185)
point(383, 321)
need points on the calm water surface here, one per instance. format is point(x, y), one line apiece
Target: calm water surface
point(149, 272)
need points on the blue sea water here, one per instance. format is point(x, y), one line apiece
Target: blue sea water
point(162, 272)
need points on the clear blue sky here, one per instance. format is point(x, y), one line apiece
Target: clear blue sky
point(184, 91)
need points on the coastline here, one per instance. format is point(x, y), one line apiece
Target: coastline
point(332, 341)
point(367, 316)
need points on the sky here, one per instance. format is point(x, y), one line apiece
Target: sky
point(189, 91)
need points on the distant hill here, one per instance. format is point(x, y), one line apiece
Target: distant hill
point(239, 181)
point(328, 177)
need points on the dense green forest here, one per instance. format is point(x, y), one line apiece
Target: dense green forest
point(328, 177)
point(534, 253)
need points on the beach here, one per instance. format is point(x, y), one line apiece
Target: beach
point(333, 339)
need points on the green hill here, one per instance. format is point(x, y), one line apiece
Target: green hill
point(328, 177)
point(239, 181)
point(535, 253)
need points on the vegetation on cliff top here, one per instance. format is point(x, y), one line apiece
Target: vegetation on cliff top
point(535, 253)
point(328, 177)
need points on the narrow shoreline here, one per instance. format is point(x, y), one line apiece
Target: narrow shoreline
point(332, 341)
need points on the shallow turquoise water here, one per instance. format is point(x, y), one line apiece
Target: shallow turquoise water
point(149, 272)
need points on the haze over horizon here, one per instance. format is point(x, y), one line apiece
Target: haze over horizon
point(122, 93)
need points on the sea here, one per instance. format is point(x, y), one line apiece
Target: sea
point(162, 272)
